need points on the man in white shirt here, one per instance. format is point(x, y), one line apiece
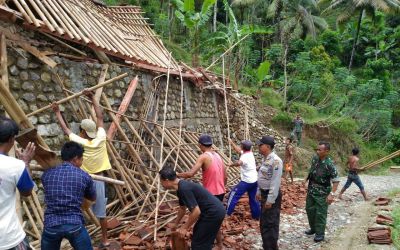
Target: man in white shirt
point(248, 182)
point(14, 175)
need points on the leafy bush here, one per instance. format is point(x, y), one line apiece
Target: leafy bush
point(304, 110)
point(345, 127)
point(271, 98)
point(283, 119)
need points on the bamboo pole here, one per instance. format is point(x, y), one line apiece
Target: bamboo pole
point(42, 16)
point(79, 93)
point(107, 179)
point(226, 108)
point(131, 149)
point(77, 112)
point(50, 18)
point(22, 10)
point(57, 15)
point(33, 224)
point(30, 14)
point(35, 213)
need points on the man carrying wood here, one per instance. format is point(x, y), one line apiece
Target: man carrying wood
point(14, 174)
point(65, 188)
point(320, 193)
point(213, 172)
point(95, 157)
point(269, 183)
point(248, 179)
point(206, 210)
point(352, 164)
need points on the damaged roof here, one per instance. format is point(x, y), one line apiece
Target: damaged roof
point(120, 31)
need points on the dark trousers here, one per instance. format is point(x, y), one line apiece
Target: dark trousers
point(317, 211)
point(269, 221)
point(205, 231)
point(298, 137)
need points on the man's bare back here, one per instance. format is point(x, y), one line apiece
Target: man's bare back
point(352, 163)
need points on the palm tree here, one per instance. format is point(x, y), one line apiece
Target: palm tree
point(294, 19)
point(349, 8)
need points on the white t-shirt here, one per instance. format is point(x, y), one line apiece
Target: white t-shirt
point(248, 170)
point(13, 175)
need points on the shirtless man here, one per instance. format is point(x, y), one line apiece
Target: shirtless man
point(289, 159)
point(213, 173)
point(354, 168)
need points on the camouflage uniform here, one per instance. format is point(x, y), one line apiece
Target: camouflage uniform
point(321, 174)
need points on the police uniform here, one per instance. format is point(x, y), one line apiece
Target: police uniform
point(269, 181)
point(322, 173)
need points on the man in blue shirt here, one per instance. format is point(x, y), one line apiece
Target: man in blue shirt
point(14, 174)
point(65, 187)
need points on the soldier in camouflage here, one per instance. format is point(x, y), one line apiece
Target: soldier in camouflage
point(320, 192)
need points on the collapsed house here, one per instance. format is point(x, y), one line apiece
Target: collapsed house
point(154, 107)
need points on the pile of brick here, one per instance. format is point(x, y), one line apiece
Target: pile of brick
point(384, 220)
point(382, 201)
point(235, 228)
point(379, 235)
point(293, 196)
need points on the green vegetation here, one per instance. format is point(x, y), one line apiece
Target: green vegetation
point(396, 226)
point(335, 62)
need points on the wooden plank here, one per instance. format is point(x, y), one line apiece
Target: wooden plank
point(45, 157)
point(17, 39)
point(123, 107)
point(3, 60)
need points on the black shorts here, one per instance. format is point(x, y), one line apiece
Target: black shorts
point(220, 197)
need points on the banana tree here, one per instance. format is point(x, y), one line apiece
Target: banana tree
point(229, 35)
point(193, 20)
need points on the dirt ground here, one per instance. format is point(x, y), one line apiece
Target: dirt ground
point(348, 219)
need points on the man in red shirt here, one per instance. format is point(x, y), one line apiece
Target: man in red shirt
point(213, 172)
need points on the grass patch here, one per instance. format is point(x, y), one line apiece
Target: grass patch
point(306, 111)
point(394, 192)
point(396, 218)
point(267, 95)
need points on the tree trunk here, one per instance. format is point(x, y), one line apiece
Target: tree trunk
point(356, 39)
point(285, 75)
point(215, 16)
point(195, 55)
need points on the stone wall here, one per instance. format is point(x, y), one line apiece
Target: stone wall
point(34, 85)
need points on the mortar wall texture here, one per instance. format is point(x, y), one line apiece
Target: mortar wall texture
point(34, 85)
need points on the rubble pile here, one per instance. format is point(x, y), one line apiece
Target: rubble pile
point(293, 196)
point(381, 233)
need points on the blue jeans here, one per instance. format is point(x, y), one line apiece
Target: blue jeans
point(237, 192)
point(353, 177)
point(77, 236)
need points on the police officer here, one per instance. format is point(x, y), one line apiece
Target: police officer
point(269, 182)
point(320, 194)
